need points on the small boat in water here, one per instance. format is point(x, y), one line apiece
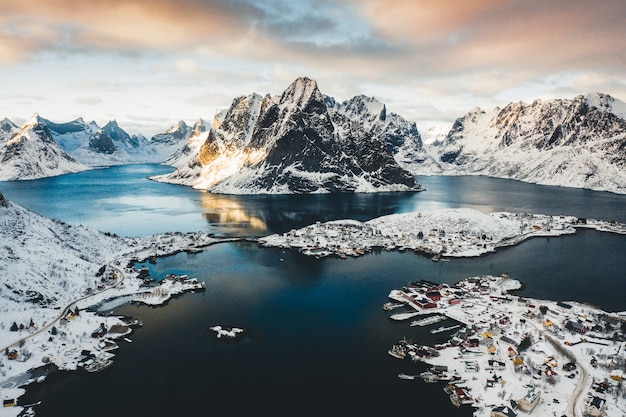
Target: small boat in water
point(428, 320)
point(397, 351)
point(444, 329)
point(405, 376)
point(390, 306)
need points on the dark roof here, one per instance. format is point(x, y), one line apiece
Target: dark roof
point(506, 410)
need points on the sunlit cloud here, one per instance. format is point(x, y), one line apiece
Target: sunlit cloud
point(426, 59)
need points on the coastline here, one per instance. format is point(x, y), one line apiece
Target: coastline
point(450, 233)
point(125, 281)
point(59, 336)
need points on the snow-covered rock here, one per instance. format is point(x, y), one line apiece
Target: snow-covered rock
point(576, 143)
point(291, 143)
point(400, 136)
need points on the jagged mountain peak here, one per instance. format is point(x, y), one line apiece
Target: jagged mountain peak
point(33, 153)
point(290, 144)
point(6, 122)
point(606, 103)
point(367, 105)
point(179, 126)
point(300, 92)
point(34, 120)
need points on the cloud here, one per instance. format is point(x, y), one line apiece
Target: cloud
point(463, 36)
point(89, 101)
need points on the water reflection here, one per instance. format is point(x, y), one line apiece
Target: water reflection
point(227, 211)
point(259, 215)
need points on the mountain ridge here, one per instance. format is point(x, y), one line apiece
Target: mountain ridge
point(576, 142)
point(292, 143)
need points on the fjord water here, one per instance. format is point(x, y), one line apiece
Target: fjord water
point(318, 335)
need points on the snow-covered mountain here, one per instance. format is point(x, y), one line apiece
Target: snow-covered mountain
point(292, 143)
point(30, 152)
point(193, 139)
point(112, 145)
point(400, 136)
point(576, 143)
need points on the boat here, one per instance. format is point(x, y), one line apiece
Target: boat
point(404, 316)
point(428, 376)
point(428, 320)
point(405, 376)
point(391, 306)
point(397, 351)
point(443, 329)
point(97, 364)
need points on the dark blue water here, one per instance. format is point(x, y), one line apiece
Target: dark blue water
point(319, 336)
point(122, 200)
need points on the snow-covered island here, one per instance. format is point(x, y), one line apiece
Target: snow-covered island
point(440, 233)
point(506, 355)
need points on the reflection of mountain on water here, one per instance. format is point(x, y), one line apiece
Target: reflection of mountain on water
point(266, 214)
point(227, 212)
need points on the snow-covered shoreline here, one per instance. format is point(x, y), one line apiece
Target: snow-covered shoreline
point(53, 273)
point(438, 233)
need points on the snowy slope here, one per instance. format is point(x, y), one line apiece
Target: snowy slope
point(575, 143)
point(292, 143)
point(30, 152)
point(46, 262)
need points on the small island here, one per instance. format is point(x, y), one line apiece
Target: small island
point(440, 233)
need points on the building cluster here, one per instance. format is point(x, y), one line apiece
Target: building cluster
point(509, 354)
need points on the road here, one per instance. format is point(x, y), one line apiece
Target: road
point(67, 307)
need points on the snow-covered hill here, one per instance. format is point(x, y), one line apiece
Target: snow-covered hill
point(45, 262)
point(292, 143)
point(576, 143)
point(30, 152)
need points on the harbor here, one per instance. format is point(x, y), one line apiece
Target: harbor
point(509, 352)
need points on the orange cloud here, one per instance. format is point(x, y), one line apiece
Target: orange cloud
point(117, 24)
point(468, 34)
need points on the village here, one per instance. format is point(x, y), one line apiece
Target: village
point(505, 355)
point(438, 234)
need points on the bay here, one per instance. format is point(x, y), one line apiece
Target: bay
point(318, 335)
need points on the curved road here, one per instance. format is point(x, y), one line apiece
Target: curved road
point(572, 405)
point(67, 307)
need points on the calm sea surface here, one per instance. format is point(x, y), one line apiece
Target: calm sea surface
point(318, 335)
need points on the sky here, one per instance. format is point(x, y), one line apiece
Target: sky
point(150, 63)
